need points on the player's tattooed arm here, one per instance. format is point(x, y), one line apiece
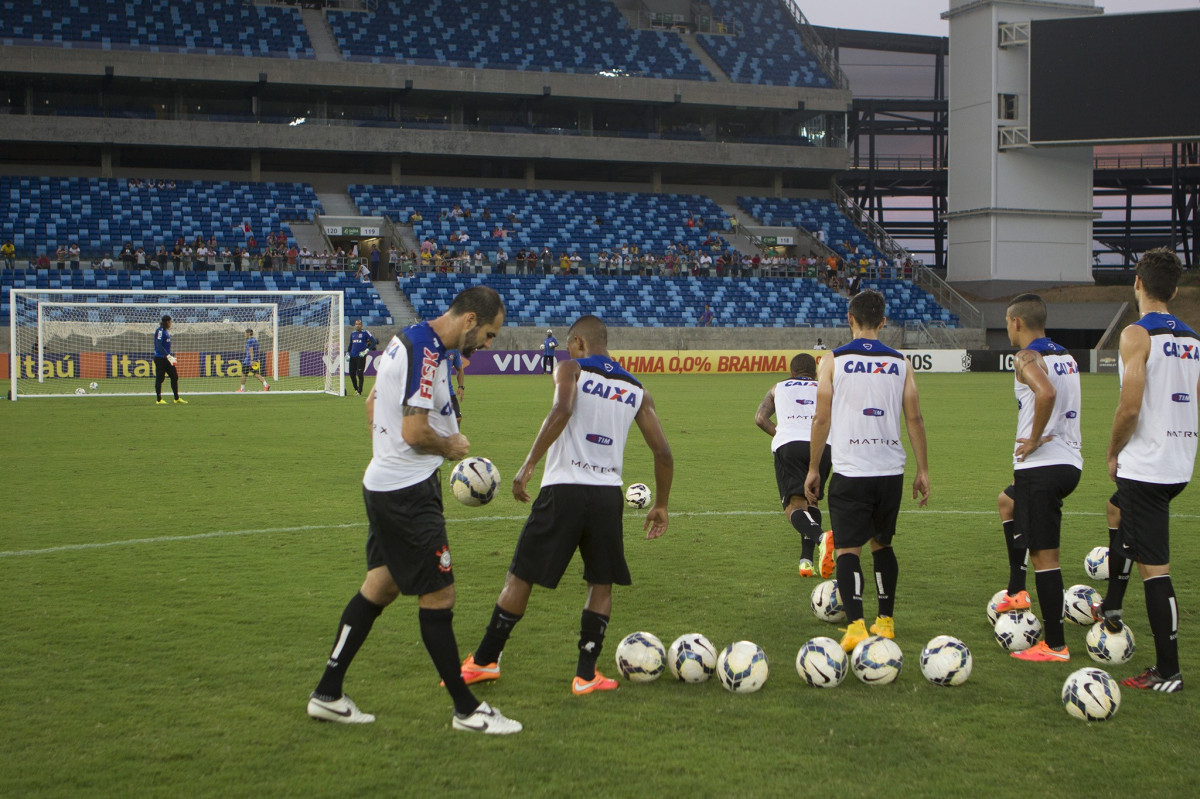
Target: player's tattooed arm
point(1021, 362)
point(409, 410)
point(766, 409)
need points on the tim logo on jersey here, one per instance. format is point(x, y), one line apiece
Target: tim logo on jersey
point(596, 438)
point(872, 368)
point(624, 395)
point(1187, 352)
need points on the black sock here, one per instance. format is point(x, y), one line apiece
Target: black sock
point(496, 635)
point(1050, 599)
point(850, 585)
point(1016, 561)
point(887, 572)
point(1164, 622)
point(592, 626)
point(437, 632)
point(357, 618)
point(802, 520)
point(1119, 567)
point(815, 513)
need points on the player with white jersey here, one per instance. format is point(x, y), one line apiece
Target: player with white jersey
point(793, 402)
point(861, 393)
point(413, 429)
point(1047, 465)
point(580, 505)
point(1151, 453)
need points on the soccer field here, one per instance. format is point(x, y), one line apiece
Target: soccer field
point(172, 578)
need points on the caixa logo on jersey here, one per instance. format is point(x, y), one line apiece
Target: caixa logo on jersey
point(1066, 368)
point(596, 438)
point(873, 412)
point(871, 368)
point(1181, 397)
point(614, 393)
point(1188, 352)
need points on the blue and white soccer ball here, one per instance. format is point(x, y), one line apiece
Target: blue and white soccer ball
point(474, 481)
point(692, 658)
point(742, 667)
point(637, 496)
point(826, 604)
point(1091, 694)
point(945, 660)
point(1017, 630)
point(1077, 604)
point(992, 613)
point(822, 662)
point(1096, 563)
point(81, 391)
point(641, 657)
point(877, 660)
point(1105, 646)
point(93, 385)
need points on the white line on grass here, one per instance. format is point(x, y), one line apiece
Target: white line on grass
point(18, 553)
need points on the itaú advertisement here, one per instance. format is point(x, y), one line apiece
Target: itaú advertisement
point(99, 365)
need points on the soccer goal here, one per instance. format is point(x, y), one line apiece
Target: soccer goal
point(72, 342)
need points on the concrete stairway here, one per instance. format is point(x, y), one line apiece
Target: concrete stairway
point(307, 234)
point(689, 40)
point(337, 203)
point(402, 311)
point(320, 34)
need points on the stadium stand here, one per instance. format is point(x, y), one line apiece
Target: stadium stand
point(764, 48)
point(211, 27)
point(362, 300)
point(575, 36)
point(813, 214)
point(101, 215)
point(642, 301)
point(561, 220)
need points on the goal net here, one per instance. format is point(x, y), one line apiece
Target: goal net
point(71, 342)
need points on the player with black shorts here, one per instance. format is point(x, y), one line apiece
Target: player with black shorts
point(413, 430)
point(862, 390)
point(252, 363)
point(1151, 454)
point(164, 362)
point(580, 505)
point(361, 344)
point(792, 402)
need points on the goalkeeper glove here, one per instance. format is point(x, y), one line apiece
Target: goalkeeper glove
point(254, 365)
point(171, 359)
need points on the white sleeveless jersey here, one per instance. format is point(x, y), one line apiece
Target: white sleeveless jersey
point(1163, 446)
point(411, 371)
point(795, 404)
point(868, 399)
point(591, 448)
point(1063, 373)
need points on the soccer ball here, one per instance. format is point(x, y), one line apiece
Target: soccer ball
point(822, 663)
point(641, 657)
point(81, 390)
point(474, 481)
point(1096, 563)
point(992, 613)
point(1105, 646)
point(877, 660)
point(826, 604)
point(93, 385)
point(1017, 630)
point(1090, 694)
point(637, 496)
point(945, 660)
point(692, 658)
point(1077, 604)
point(742, 667)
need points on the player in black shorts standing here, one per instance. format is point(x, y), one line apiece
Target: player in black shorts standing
point(164, 362)
point(412, 430)
point(793, 402)
point(580, 505)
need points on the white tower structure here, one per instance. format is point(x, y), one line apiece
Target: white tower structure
point(1019, 216)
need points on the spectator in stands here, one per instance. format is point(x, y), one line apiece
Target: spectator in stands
point(854, 285)
point(393, 261)
point(498, 231)
point(60, 257)
point(127, 255)
point(9, 253)
point(427, 247)
point(501, 261)
point(706, 316)
point(139, 257)
point(819, 345)
point(576, 262)
point(733, 225)
point(486, 216)
point(364, 272)
point(161, 256)
point(43, 261)
point(73, 253)
point(456, 212)
point(705, 264)
point(201, 255)
point(105, 263)
point(415, 217)
point(268, 260)
point(226, 257)
point(602, 262)
point(376, 258)
point(454, 237)
point(564, 264)
point(478, 261)
point(691, 220)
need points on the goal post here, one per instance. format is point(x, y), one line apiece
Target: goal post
point(74, 342)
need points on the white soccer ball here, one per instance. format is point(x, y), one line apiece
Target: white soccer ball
point(742, 667)
point(692, 658)
point(945, 660)
point(81, 390)
point(641, 657)
point(877, 660)
point(1077, 604)
point(992, 613)
point(1105, 646)
point(1017, 630)
point(637, 496)
point(474, 481)
point(822, 662)
point(1091, 694)
point(93, 385)
point(1096, 563)
point(826, 604)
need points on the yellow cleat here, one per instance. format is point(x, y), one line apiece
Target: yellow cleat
point(854, 634)
point(884, 626)
point(181, 402)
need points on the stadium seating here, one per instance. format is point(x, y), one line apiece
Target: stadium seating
point(101, 215)
point(765, 46)
point(212, 27)
point(362, 300)
point(576, 36)
point(670, 302)
point(813, 215)
point(561, 220)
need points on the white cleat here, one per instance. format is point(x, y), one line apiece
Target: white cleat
point(342, 711)
point(487, 720)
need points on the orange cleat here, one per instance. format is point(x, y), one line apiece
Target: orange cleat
point(1042, 653)
point(580, 686)
point(1017, 601)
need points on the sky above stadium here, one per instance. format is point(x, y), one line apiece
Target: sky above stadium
point(924, 16)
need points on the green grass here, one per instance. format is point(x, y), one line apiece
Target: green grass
point(172, 577)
